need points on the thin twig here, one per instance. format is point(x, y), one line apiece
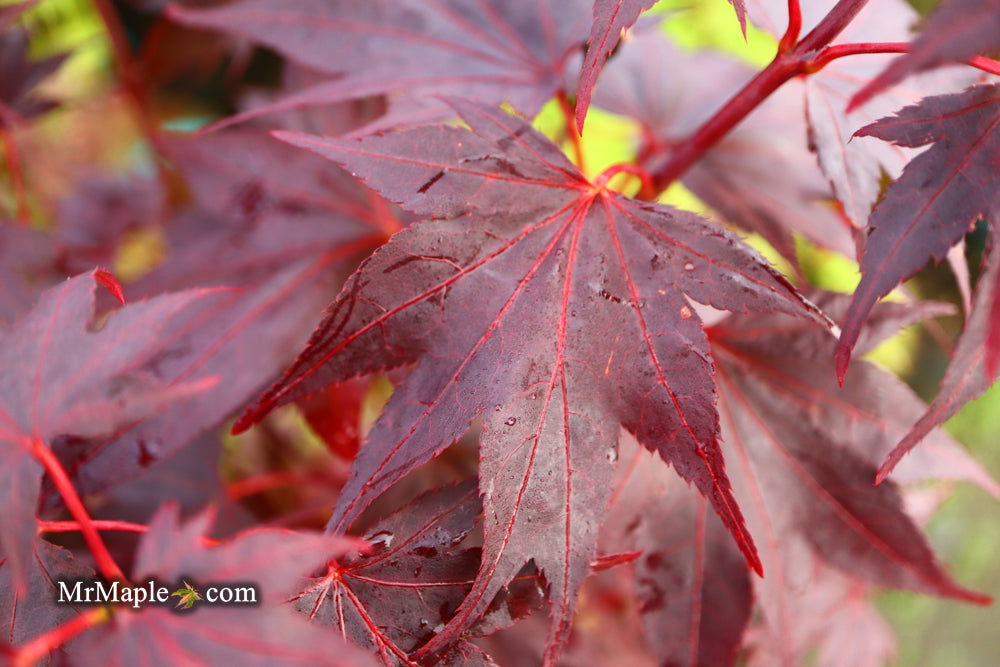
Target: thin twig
point(832, 53)
point(785, 66)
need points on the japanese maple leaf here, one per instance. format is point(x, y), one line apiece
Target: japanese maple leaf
point(954, 32)
point(63, 377)
point(284, 227)
point(940, 194)
point(761, 177)
point(492, 51)
point(274, 561)
point(803, 452)
point(548, 305)
point(693, 588)
point(973, 368)
point(421, 567)
point(30, 612)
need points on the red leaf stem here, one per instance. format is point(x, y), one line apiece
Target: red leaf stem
point(832, 53)
point(105, 563)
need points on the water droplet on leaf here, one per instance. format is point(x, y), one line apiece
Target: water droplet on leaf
point(382, 539)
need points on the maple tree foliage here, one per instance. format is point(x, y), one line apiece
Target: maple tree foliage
point(547, 416)
point(544, 250)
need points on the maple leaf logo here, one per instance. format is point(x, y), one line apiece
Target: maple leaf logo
point(188, 596)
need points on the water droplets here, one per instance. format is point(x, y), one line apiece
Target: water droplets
point(688, 266)
point(382, 539)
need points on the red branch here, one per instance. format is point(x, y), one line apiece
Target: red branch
point(832, 53)
point(101, 524)
point(105, 563)
point(785, 66)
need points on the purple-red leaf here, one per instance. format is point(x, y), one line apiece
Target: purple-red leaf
point(611, 19)
point(692, 585)
point(394, 599)
point(854, 166)
point(61, 377)
point(30, 612)
point(267, 633)
point(803, 453)
point(940, 194)
point(969, 373)
point(492, 51)
point(283, 227)
point(21, 76)
point(549, 306)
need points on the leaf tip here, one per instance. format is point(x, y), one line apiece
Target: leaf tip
point(581, 116)
point(243, 423)
point(109, 282)
point(859, 98)
point(843, 359)
point(756, 565)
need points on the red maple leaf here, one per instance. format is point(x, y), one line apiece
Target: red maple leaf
point(611, 18)
point(281, 226)
point(268, 632)
point(63, 378)
point(421, 567)
point(693, 589)
point(930, 208)
point(547, 304)
point(803, 452)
